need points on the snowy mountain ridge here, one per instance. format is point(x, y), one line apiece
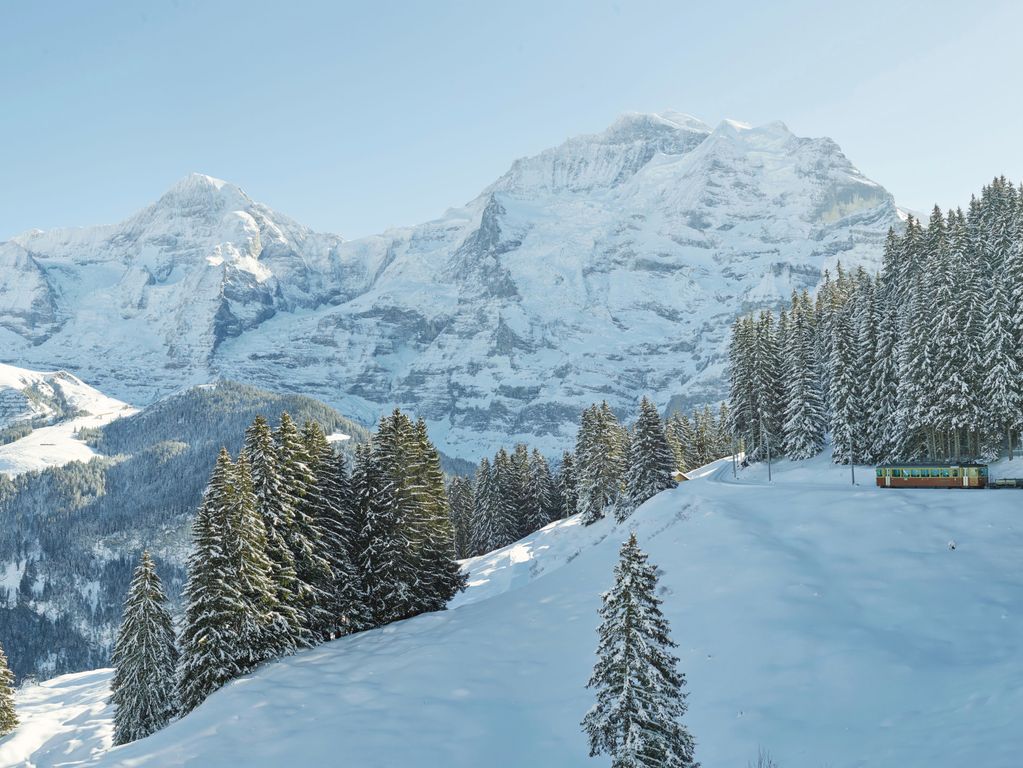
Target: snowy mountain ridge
point(832, 625)
point(609, 265)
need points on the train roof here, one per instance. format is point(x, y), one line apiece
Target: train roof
point(897, 464)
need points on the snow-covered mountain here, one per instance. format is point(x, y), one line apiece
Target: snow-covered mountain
point(604, 268)
point(833, 626)
point(41, 414)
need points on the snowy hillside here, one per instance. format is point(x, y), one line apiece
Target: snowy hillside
point(832, 625)
point(51, 408)
point(610, 265)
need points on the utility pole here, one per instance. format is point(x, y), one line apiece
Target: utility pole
point(734, 449)
point(852, 456)
point(767, 440)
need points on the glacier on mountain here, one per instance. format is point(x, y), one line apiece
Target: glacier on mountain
point(605, 268)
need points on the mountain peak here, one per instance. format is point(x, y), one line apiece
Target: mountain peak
point(197, 190)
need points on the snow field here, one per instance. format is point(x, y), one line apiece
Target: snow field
point(829, 624)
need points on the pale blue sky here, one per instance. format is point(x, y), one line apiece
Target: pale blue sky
point(352, 117)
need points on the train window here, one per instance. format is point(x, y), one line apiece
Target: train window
point(880, 473)
point(915, 472)
point(983, 471)
point(897, 472)
point(955, 473)
point(944, 473)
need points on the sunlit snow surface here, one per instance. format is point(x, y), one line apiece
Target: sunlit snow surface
point(832, 625)
point(55, 445)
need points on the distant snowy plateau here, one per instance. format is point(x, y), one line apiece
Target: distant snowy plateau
point(604, 268)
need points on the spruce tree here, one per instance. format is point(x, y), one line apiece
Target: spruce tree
point(568, 494)
point(637, 718)
point(600, 462)
point(483, 532)
point(330, 505)
point(276, 508)
point(388, 564)
point(460, 496)
point(298, 480)
point(650, 463)
point(540, 493)
point(8, 716)
point(508, 499)
point(208, 644)
point(439, 577)
point(805, 421)
point(145, 656)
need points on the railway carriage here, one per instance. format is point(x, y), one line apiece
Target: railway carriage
point(933, 475)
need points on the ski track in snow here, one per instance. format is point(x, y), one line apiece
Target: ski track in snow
point(830, 624)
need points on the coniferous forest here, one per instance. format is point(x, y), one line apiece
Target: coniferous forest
point(921, 360)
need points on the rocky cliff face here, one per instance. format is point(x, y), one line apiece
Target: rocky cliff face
point(605, 268)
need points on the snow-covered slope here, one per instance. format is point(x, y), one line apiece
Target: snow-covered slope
point(607, 266)
point(832, 625)
point(56, 405)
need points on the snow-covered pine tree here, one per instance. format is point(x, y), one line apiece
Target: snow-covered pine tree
point(388, 564)
point(681, 438)
point(145, 656)
point(954, 407)
point(331, 504)
point(742, 392)
point(483, 531)
point(637, 718)
point(439, 576)
point(884, 390)
point(770, 397)
point(520, 479)
point(8, 715)
point(805, 420)
point(460, 497)
point(845, 429)
point(508, 487)
point(650, 463)
point(540, 493)
point(600, 462)
point(298, 480)
point(275, 506)
point(213, 603)
point(568, 493)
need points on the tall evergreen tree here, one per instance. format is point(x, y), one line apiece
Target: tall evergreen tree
point(484, 532)
point(567, 493)
point(650, 463)
point(637, 718)
point(331, 504)
point(276, 508)
point(540, 493)
point(600, 462)
point(388, 567)
point(143, 686)
point(8, 715)
point(208, 645)
point(440, 577)
point(298, 481)
point(507, 499)
point(460, 495)
point(805, 420)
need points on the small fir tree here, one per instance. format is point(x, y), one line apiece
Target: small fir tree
point(143, 687)
point(637, 718)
